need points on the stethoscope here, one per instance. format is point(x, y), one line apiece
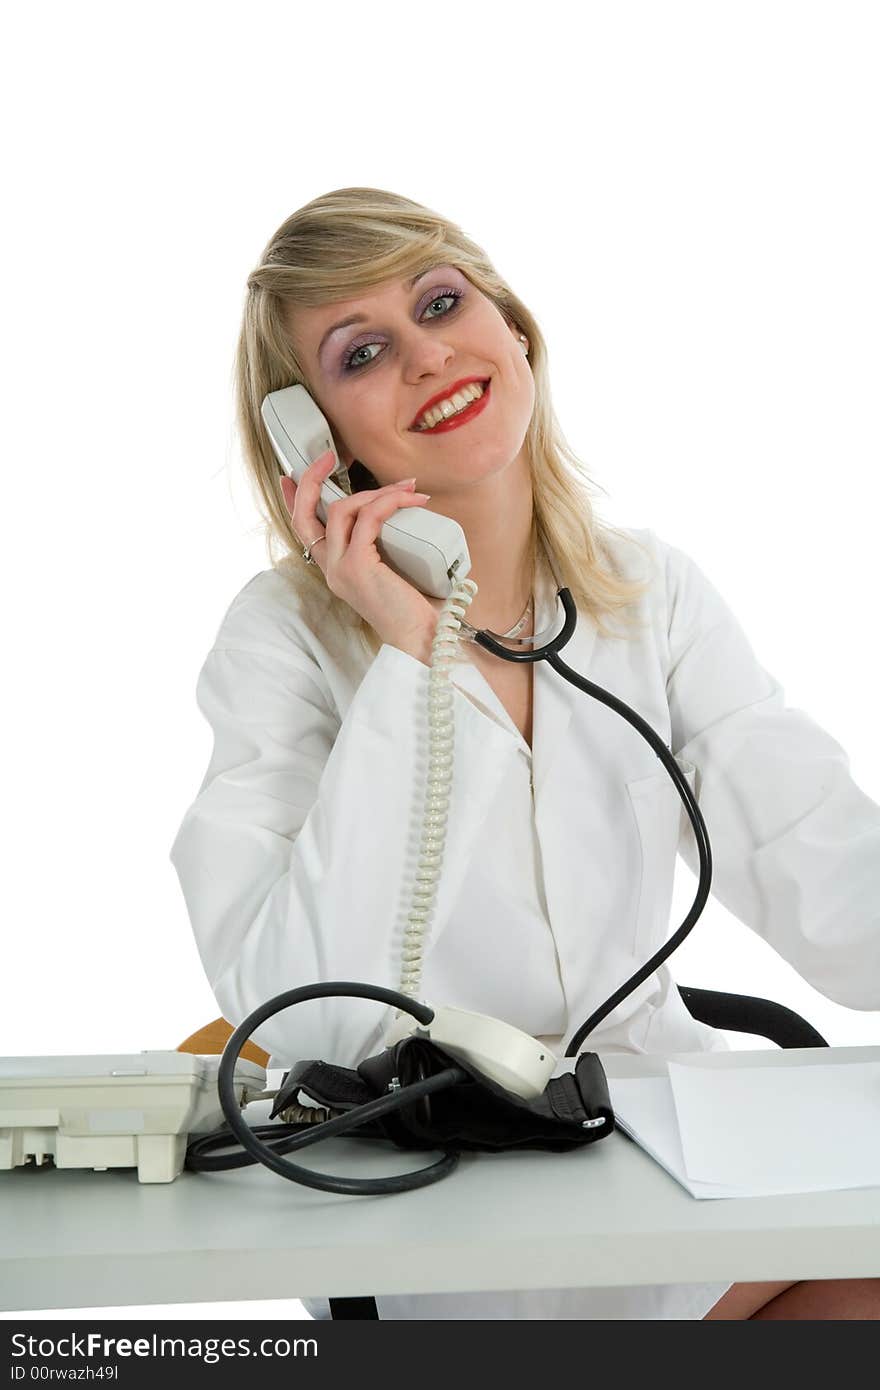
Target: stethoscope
point(550, 645)
point(549, 652)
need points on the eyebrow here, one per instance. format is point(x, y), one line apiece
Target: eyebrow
point(364, 318)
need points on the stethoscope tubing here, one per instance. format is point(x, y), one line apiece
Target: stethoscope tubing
point(271, 1156)
point(549, 652)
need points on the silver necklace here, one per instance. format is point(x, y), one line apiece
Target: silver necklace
point(518, 627)
point(468, 633)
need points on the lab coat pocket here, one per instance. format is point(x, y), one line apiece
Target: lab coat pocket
point(660, 816)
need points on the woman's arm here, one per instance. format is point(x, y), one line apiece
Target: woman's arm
point(795, 842)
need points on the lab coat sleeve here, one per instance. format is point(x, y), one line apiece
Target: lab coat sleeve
point(297, 857)
point(795, 842)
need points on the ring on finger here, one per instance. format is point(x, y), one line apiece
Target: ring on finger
point(307, 552)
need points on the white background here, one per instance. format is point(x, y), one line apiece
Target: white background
point(686, 196)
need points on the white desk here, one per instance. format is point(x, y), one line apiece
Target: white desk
point(605, 1214)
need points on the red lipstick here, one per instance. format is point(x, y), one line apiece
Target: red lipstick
point(464, 416)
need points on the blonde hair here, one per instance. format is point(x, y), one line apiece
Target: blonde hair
point(356, 239)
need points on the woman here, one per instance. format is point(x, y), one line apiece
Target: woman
point(295, 857)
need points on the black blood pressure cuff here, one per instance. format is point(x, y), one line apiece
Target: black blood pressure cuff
point(476, 1113)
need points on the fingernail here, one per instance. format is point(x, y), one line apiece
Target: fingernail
point(407, 482)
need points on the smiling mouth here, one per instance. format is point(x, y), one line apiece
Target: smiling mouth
point(463, 414)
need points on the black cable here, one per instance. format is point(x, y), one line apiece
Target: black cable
point(550, 653)
point(300, 1136)
point(200, 1156)
point(340, 1124)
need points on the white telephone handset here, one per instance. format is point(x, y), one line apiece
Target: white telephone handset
point(424, 547)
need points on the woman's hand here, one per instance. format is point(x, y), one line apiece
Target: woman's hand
point(350, 561)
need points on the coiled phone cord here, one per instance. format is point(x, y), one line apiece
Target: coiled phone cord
point(441, 754)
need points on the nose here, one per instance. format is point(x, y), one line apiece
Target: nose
point(425, 355)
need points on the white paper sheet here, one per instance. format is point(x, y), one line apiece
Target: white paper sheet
point(757, 1131)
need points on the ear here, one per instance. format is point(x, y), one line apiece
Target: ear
point(518, 334)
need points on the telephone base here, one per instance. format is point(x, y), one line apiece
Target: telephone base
point(113, 1111)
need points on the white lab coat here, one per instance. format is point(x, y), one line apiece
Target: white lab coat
point(296, 857)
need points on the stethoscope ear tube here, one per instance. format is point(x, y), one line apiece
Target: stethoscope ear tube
point(550, 653)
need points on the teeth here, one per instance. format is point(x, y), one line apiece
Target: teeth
point(452, 406)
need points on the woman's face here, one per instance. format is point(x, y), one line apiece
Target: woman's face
point(372, 379)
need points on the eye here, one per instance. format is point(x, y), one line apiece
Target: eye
point(445, 294)
point(351, 365)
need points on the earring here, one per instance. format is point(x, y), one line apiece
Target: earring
point(524, 343)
